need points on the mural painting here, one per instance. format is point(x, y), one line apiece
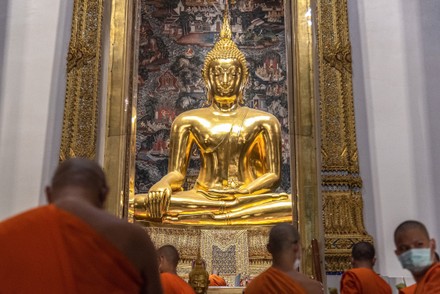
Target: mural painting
point(174, 37)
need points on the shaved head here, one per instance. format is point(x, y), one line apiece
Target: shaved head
point(410, 225)
point(281, 237)
point(363, 251)
point(170, 253)
point(412, 236)
point(79, 173)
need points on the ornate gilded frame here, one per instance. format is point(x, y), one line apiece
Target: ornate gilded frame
point(340, 179)
point(320, 66)
point(79, 136)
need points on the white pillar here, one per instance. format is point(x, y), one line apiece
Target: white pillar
point(33, 48)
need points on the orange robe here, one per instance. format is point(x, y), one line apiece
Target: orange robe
point(408, 290)
point(274, 281)
point(48, 250)
point(173, 284)
point(215, 280)
point(430, 283)
point(363, 280)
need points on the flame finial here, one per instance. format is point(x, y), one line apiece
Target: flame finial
point(226, 32)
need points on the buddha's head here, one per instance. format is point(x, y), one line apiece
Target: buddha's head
point(199, 283)
point(225, 71)
point(199, 277)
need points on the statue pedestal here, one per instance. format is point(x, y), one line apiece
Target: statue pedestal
point(229, 251)
point(225, 290)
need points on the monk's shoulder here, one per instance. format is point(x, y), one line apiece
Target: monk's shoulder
point(136, 238)
point(360, 273)
point(436, 269)
point(129, 238)
point(315, 287)
point(257, 284)
point(311, 286)
point(432, 277)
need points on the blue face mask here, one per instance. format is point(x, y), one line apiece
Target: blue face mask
point(416, 260)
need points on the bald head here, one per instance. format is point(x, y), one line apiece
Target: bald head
point(412, 237)
point(410, 225)
point(78, 173)
point(281, 237)
point(363, 251)
point(170, 253)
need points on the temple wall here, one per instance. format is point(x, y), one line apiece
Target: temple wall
point(34, 37)
point(396, 68)
point(395, 87)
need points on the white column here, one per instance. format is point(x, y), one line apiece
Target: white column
point(396, 69)
point(34, 40)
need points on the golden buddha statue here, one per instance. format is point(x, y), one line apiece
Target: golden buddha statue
point(198, 276)
point(240, 150)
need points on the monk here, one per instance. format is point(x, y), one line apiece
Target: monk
point(216, 280)
point(72, 245)
point(408, 290)
point(362, 278)
point(281, 277)
point(171, 282)
point(412, 289)
point(416, 252)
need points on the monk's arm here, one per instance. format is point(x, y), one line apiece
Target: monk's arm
point(150, 268)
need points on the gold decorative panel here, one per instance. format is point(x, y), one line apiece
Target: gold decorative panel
point(229, 246)
point(83, 80)
point(245, 249)
point(341, 182)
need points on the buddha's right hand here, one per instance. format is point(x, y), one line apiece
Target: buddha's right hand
point(158, 200)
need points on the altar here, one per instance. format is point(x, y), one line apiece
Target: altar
point(223, 290)
point(224, 171)
point(231, 252)
point(299, 72)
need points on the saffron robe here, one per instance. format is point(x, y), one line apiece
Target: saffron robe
point(430, 284)
point(363, 280)
point(173, 284)
point(408, 290)
point(48, 250)
point(215, 280)
point(273, 280)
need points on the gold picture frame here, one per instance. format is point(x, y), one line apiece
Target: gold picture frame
point(304, 109)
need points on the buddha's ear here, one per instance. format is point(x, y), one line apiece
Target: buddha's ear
point(242, 86)
point(209, 95)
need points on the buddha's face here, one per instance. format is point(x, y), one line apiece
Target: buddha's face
point(199, 283)
point(225, 78)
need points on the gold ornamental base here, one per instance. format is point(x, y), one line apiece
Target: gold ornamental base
point(228, 251)
point(343, 227)
point(338, 251)
point(226, 290)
